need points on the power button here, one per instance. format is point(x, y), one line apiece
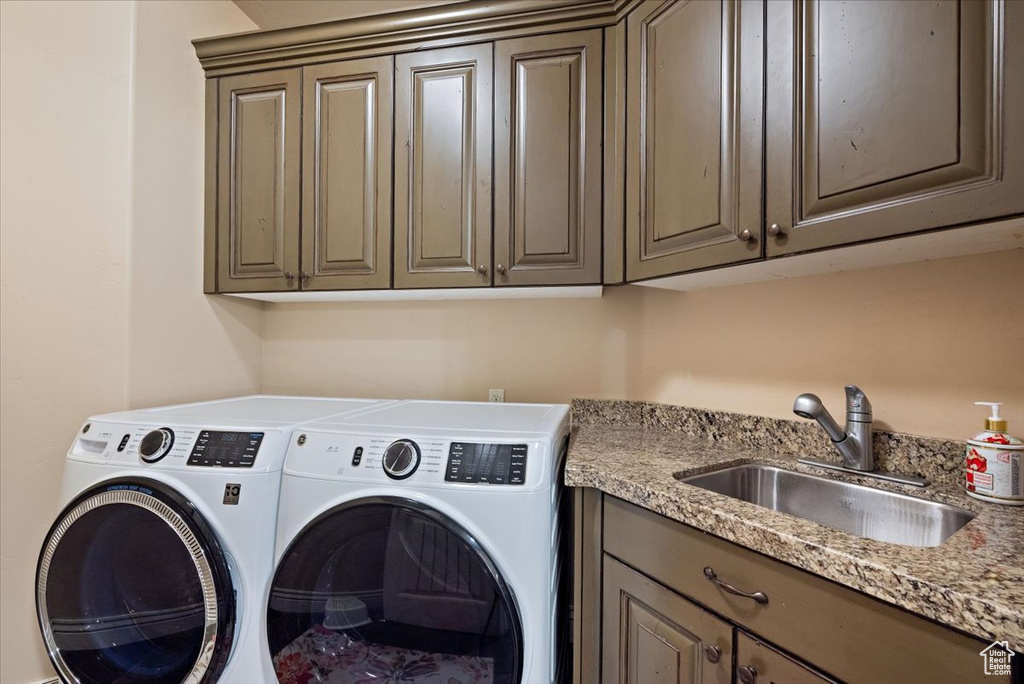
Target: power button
point(357, 456)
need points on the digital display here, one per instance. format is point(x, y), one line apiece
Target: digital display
point(225, 449)
point(500, 464)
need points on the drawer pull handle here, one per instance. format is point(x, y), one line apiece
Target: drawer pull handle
point(758, 596)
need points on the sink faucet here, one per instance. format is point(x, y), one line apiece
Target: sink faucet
point(854, 443)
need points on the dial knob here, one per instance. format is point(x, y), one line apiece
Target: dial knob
point(156, 444)
point(401, 459)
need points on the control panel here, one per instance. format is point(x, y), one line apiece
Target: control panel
point(225, 449)
point(499, 464)
point(421, 460)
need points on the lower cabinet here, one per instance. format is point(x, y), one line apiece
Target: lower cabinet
point(659, 602)
point(758, 662)
point(652, 635)
point(655, 636)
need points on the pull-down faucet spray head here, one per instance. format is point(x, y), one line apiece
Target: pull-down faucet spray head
point(811, 407)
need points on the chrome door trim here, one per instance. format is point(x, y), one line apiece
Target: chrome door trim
point(185, 534)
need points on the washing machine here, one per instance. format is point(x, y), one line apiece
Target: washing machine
point(157, 568)
point(424, 542)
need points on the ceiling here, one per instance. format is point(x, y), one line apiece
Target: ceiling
point(272, 14)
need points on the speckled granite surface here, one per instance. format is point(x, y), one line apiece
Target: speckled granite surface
point(974, 581)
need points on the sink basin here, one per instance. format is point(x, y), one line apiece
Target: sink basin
point(863, 511)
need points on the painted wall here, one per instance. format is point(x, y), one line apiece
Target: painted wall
point(101, 125)
point(183, 345)
point(923, 340)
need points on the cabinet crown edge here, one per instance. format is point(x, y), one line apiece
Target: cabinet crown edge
point(450, 24)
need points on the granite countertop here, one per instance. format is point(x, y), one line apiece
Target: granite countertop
point(973, 582)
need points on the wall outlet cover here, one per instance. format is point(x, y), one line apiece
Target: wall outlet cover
point(496, 395)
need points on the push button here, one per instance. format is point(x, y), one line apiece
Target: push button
point(124, 443)
point(357, 456)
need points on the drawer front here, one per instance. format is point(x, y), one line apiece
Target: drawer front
point(852, 636)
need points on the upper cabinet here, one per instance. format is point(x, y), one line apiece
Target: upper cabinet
point(258, 181)
point(559, 142)
point(443, 168)
point(346, 174)
point(886, 118)
point(547, 159)
point(693, 135)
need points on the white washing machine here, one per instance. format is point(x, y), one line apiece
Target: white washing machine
point(157, 569)
point(424, 542)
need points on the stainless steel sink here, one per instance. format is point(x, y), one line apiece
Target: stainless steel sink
point(863, 511)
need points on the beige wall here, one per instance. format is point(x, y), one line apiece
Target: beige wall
point(64, 246)
point(923, 340)
point(184, 345)
point(100, 229)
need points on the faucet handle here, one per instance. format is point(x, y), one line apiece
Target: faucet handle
point(857, 402)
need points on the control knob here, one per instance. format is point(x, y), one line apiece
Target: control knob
point(156, 444)
point(401, 459)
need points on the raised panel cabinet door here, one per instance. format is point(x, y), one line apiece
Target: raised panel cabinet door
point(346, 186)
point(547, 159)
point(652, 635)
point(443, 139)
point(694, 103)
point(757, 663)
point(259, 129)
point(887, 117)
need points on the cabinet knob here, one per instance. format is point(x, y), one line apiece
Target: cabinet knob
point(745, 235)
point(481, 269)
point(747, 674)
point(500, 269)
point(775, 230)
point(288, 275)
point(305, 277)
point(712, 653)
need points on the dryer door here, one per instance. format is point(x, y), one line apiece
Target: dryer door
point(132, 587)
point(387, 589)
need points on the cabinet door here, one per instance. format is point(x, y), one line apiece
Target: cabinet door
point(890, 117)
point(693, 135)
point(259, 133)
point(443, 139)
point(757, 663)
point(652, 635)
point(346, 208)
point(547, 160)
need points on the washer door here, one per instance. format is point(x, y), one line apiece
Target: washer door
point(132, 587)
point(387, 589)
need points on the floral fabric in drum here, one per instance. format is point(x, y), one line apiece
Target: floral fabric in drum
point(324, 656)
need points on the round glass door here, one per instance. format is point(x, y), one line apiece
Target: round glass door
point(387, 589)
point(132, 588)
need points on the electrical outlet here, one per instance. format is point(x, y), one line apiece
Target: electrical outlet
point(496, 395)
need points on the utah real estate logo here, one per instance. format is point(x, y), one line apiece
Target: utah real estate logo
point(997, 657)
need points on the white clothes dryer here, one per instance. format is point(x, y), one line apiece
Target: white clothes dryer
point(157, 568)
point(424, 541)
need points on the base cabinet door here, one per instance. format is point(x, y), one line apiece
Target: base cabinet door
point(694, 98)
point(758, 663)
point(891, 117)
point(259, 139)
point(547, 159)
point(651, 635)
point(443, 140)
point(346, 186)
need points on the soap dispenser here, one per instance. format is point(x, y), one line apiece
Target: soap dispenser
point(994, 468)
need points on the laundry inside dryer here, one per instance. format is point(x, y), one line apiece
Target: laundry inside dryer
point(384, 589)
